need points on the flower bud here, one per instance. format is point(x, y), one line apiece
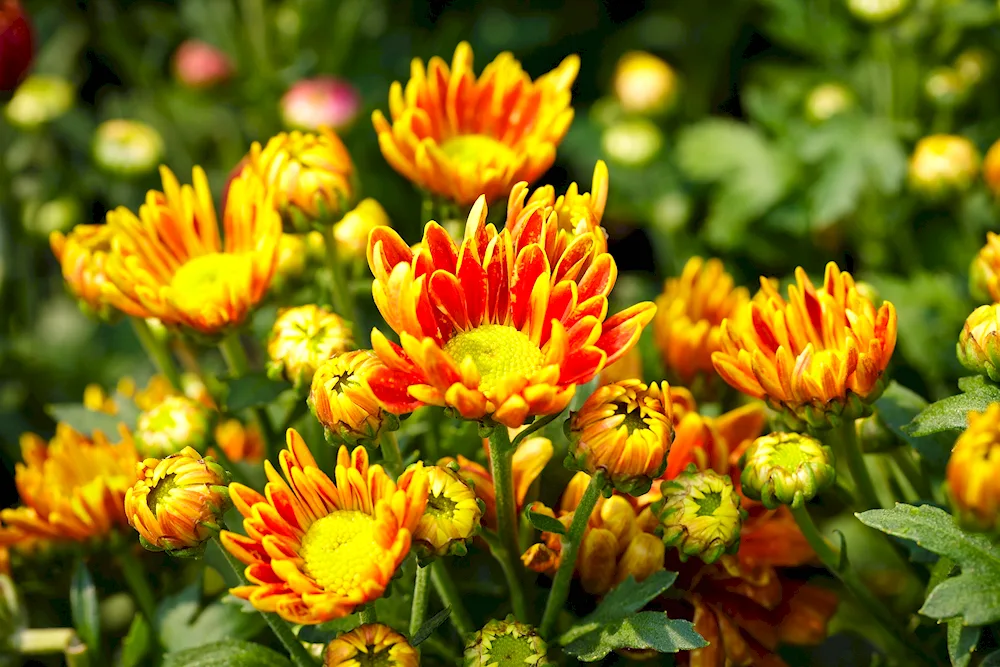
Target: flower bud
point(876, 11)
point(56, 215)
point(178, 422)
point(343, 402)
point(643, 556)
point(302, 338)
point(945, 87)
point(828, 100)
point(624, 429)
point(596, 561)
point(943, 164)
point(973, 472)
point(239, 442)
point(991, 168)
point(506, 643)
point(979, 343)
point(451, 517)
point(293, 260)
point(352, 231)
point(82, 254)
point(198, 64)
point(371, 644)
point(178, 502)
point(973, 65)
point(16, 44)
point(786, 469)
point(632, 142)
point(984, 273)
point(127, 147)
point(644, 83)
point(700, 515)
point(39, 100)
point(324, 101)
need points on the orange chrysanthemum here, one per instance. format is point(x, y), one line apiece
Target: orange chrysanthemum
point(72, 489)
point(372, 644)
point(819, 356)
point(462, 137)
point(83, 255)
point(973, 484)
point(318, 548)
point(170, 263)
point(689, 315)
point(496, 326)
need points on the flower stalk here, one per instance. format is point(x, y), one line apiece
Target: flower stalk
point(157, 352)
point(844, 441)
point(135, 577)
point(239, 365)
point(421, 596)
point(390, 453)
point(501, 466)
point(445, 588)
point(340, 295)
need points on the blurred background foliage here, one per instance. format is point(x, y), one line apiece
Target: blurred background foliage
point(787, 140)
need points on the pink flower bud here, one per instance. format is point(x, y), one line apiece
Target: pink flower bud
point(324, 100)
point(16, 44)
point(198, 64)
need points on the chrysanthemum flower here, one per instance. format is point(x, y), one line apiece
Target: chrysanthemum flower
point(309, 174)
point(984, 274)
point(342, 399)
point(240, 442)
point(303, 338)
point(72, 489)
point(689, 315)
point(83, 255)
point(644, 83)
point(174, 424)
point(452, 515)
point(506, 643)
point(372, 644)
point(819, 357)
point(178, 502)
point(169, 262)
point(317, 548)
point(624, 429)
point(973, 472)
point(494, 326)
point(462, 137)
point(943, 164)
point(700, 514)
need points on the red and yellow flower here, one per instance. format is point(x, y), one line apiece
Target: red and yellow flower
point(984, 274)
point(461, 137)
point(83, 256)
point(169, 262)
point(342, 399)
point(371, 644)
point(317, 548)
point(452, 515)
point(819, 357)
point(494, 327)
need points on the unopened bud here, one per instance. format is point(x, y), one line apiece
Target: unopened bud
point(786, 469)
point(700, 515)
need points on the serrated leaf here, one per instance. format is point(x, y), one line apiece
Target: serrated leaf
point(252, 390)
point(625, 599)
point(86, 421)
point(85, 608)
point(232, 653)
point(545, 523)
point(962, 640)
point(429, 626)
point(136, 643)
point(952, 413)
point(646, 630)
point(182, 622)
point(897, 407)
point(972, 595)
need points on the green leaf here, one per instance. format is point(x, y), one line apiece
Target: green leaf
point(973, 382)
point(952, 413)
point(252, 390)
point(86, 421)
point(897, 407)
point(429, 626)
point(962, 640)
point(645, 630)
point(992, 660)
point(625, 599)
point(972, 596)
point(136, 643)
point(230, 653)
point(545, 523)
point(183, 622)
point(85, 608)
point(324, 633)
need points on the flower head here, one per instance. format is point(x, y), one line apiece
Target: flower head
point(239, 442)
point(40, 99)
point(176, 423)
point(689, 316)
point(352, 232)
point(178, 502)
point(372, 644)
point(451, 517)
point(461, 137)
point(317, 548)
point(127, 147)
point(169, 262)
point(786, 469)
point(495, 326)
point(83, 256)
point(323, 101)
point(942, 164)
point(625, 429)
point(828, 100)
point(309, 174)
point(72, 489)
point(991, 168)
point(984, 274)
point(973, 472)
point(16, 44)
point(302, 339)
point(644, 83)
point(342, 399)
point(979, 343)
point(506, 643)
point(198, 64)
point(819, 357)
point(700, 515)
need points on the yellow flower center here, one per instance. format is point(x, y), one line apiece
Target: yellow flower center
point(338, 549)
point(210, 281)
point(498, 352)
point(477, 150)
point(440, 506)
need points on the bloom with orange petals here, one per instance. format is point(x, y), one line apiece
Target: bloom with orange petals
point(169, 262)
point(689, 315)
point(343, 402)
point(461, 137)
point(83, 255)
point(972, 472)
point(240, 442)
point(372, 644)
point(317, 548)
point(72, 489)
point(820, 357)
point(495, 326)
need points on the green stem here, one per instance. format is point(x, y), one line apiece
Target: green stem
point(41, 641)
point(157, 352)
point(570, 548)
point(501, 466)
point(135, 577)
point(281, 629)
point(901, 456)
point(844, 441)
point(239, 365)
point(77, 655)
point(390, 453)
point(368, 614)
point(421, 596)
point(340, 295)
point(833, 560)
point(533, 428)
point(448, 593)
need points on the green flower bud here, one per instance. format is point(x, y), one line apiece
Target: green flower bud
point(876, 11)
point(786, 469)
point(633, 143)
point(979, 343)
point(177, 422)
point(945, 87)
point(828, 100)
point(700, 514)
point(39, 100)
point(127, 147)
point(506, 643)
